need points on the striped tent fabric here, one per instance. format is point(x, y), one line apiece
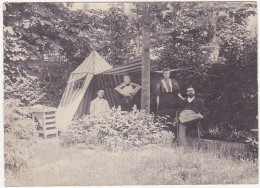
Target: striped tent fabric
point(94, 74)
point(93, 64)
point(78, 86)
point(133, 66)
point(70, 102)
point(108, 81)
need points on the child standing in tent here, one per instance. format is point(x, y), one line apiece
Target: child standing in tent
point(127, 91)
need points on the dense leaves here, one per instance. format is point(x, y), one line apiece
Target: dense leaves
point(20, 137)
point(215, 51)
point(210, 43)
point(115, 131)
point(33, 29)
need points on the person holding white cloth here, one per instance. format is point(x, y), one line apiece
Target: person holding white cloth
point(193, 111)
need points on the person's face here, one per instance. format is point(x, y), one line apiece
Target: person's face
point(166, 74)
point(100, 94)
point(190, 92)
point(127, 80)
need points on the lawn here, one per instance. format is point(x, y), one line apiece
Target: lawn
point(55, 165)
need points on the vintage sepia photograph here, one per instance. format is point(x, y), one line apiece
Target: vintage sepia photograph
point(130, 93)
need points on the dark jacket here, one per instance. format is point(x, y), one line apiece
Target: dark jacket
point(160, 87)
point(197, 106)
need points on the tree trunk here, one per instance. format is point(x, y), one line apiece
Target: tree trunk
point(138, 33)
point(145, 98)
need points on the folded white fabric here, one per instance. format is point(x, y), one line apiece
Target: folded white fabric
point(188, 115)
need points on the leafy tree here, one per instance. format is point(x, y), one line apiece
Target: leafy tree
point(113, 35)
point(33, 29)
point(208, 42)
point(213, 49)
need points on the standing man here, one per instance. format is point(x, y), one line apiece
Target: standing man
point(193, 111)
point(127, 90)
point(99, 105)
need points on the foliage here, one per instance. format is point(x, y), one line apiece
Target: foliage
point(22, 86)
point(253, 141)
point(116, 131)
point(33, 29)
point(210, 43)
point(215, 51)
point(113, 35)
point(52, 83)
point(25, 38)
point(20, 137)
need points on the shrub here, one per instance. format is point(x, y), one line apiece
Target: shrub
point(20, 137)
point(253, 141)
point(116, 131)
point(231, 134)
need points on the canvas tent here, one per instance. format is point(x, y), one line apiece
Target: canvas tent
point(93, 73)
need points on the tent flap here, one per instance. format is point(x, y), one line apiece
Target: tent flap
point(77, 86)
point(92, 74)
point(70, 103)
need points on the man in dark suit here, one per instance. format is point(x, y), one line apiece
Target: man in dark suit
point(187, 130)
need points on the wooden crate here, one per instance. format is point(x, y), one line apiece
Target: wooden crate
point(46, 117)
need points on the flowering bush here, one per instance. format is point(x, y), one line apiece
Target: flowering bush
point(116, 131)
point(20, 137)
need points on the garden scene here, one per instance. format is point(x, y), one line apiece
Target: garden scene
point(63, 59)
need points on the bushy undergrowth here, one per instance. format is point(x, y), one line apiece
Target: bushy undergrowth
point(116, 131)
point(219, 133)
point(20, 137)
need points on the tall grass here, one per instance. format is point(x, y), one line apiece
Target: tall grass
point(134, 149)
point(143, 166)
point(224, 149)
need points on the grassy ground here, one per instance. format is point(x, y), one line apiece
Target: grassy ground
point(54, 165)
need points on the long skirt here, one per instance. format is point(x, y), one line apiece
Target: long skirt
point(169, 104)
point(127, 103)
